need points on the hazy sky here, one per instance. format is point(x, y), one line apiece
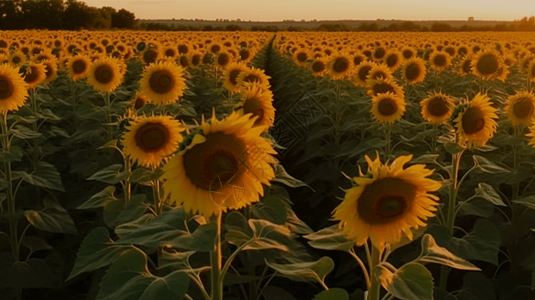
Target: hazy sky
point(276, 10)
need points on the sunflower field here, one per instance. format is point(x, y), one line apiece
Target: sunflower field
point(262, 166)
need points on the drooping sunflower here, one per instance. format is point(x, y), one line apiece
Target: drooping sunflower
point(258, 102)
point(151, 140)
point(378, 72)
point(253, 75)
point(13, 91)
point(230, 76)
point(51, 70)
point(387, 107)
point(162, 83)
point(413, 70)
point(340, 66)
point(437, 108)
point(440, 60)
point(387, 202)
point(78, 66)
point(223, 167)
point(382, 85)
point(474, 121)
point(520, 108)
point(465, 65)
point(486, 65)
point(34, 75)
point(105, 74)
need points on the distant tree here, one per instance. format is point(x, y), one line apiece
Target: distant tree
point(233, 27)
point(123, 19)
point(441, 27)
point(470, 19)
point(76, 15)
point(10, 16)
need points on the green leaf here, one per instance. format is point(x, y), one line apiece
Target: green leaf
point(45, 175)
point(14, 154)
point(52, 218)
point(276, 293)
point(35, 243)
point(330, 238)
point(410, 282)
point(97, 251)
point(168, 229)
point(110, 144)
point(177, 260)
point(110, 175)
point(56, 131)
point(131, 227)
point(32, 273)
point(482, 243)
point(308, 271)
point(283, 177)
point(272, 209)
point(332, 294)
point(425, 159)
point(99, 199)
point(476, 286)
point(144, 175)
point(116, 213)
point(433, 253)
point(527, 201)
point(268, 235)
point(486, 191)
point(129, 279)
point(487, 166)
point(25, 133)
point(453, 148)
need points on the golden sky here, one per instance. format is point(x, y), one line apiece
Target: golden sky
point(277, 10)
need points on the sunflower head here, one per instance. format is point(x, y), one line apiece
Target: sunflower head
point(151, 140)
point(383, 85)
point(361, 73)
point(387, 107)
point(437, 108)
point(105, 74)
point(163, 83)
point(520, 108)
point(486, 64)
point(318, 67)
point(230, 76)
point(223, 167)
point(387, 202)
point(475, 122)
point(34, 74)
point(414, 71)
point(78, 66)
point(257, 102)
point(440, 60)
point(340, 66)
point(13, 90)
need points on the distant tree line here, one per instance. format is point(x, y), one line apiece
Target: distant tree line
point(525, 24)
point(62, 15)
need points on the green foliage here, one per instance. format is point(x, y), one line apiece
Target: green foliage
point(410, 282)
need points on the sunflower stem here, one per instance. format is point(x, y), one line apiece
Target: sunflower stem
point(215, 261)
point(108, 117)
point(156, 196)
point(73, 96)
point(35, 151)
point(434, 140)
point(516, 165)
point(388, 147)
point(127, 184)
point(375, 288)
point(450, 217)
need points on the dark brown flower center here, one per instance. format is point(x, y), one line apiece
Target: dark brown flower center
point(140, 102)
point(318, 66)
point(150, 56)
point(387, 107)
point(223, 59)
point(161, 82)
point(151, 137)
point(340, 65)
point(254, 106)
point(392, 60)
point(385, 200)
point(182, 49)
point(438, 107)
point(363, 72)
point(440, 60)
point(104, 74)
point(244, 54)
point(32, 75)
point(407, 54)
point(523, 108)
point(169, 52)
point(467, 66)
point(378, 74)
point(487, 64)
point(412, 71)
point(79, 66)
point(382, 87)
point(473, 120)
point(183, 60)
point(6, 88)
point(233, 76)
point(302, 57)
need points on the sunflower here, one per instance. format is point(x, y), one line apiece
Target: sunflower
point(34, 75)
point(318, 67)
point(474, 121)
point(520, 108)
point(387, 107)
point(486, 65)
point(437, 108)
point(223, 59)
point(408, 52)
point(382, 85)
point(393, 60)
point(258, 102)
point(223, 167)
point(138, 101)
point(51, 71)
point(17, 59)
point(104, 74)
point(150, 55)
point(440, 60)
point(361, 73)
point(151, 140)
point(340, 66)
point(163, 83)
point(253, 75)
point(78, 66)
point(378, 72)
point(230, 76)
point(301, 56)
point(413, 70)
point(465, 66)
point(388, 201)
point(13, 90)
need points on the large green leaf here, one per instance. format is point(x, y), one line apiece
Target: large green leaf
point(32, 273)
point(99, 199)
point(52, 218)
point(308, 271)
point(410, 282)
point(486, 191)
point(168, 228)
point(45, 175)
point(116, 213)
point(129, 279)
point(97, 251)
point(433, 253)
point(14, 154)
point(283, 177)
point(330, 238)
point(272, 209)
point(332, 294)
point(488, 166)
point(110, 175)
